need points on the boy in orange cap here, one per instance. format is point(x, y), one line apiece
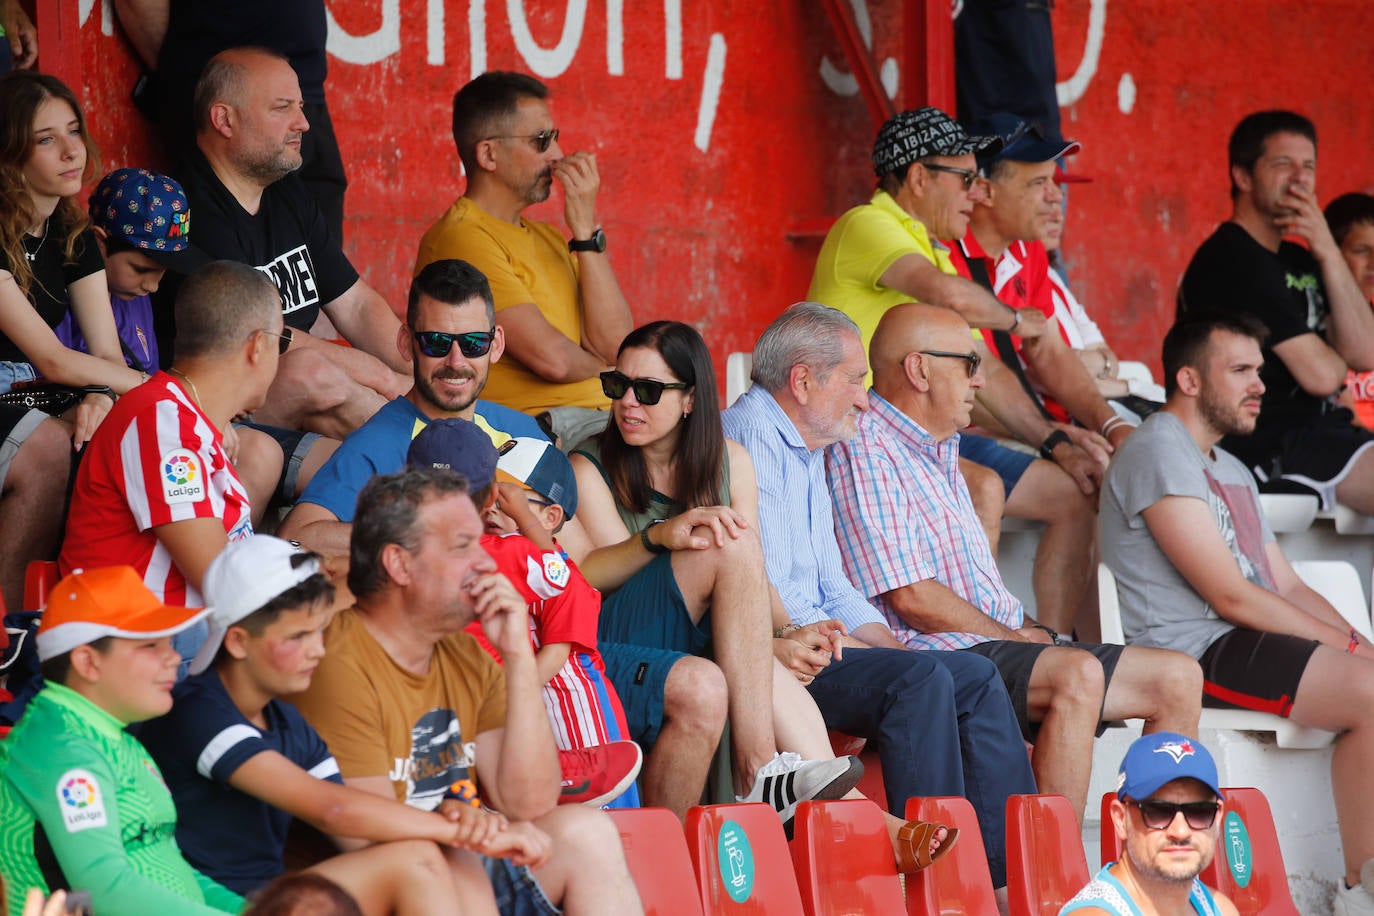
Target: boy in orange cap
point(83, 804)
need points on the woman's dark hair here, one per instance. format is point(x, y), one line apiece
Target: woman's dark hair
point(697, 465)
point(22, 93)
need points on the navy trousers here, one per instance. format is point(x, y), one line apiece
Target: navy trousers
point(943, 724)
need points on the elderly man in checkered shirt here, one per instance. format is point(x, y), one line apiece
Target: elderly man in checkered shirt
point(912, 544)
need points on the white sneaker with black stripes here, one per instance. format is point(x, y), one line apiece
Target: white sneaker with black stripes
point(788, 779)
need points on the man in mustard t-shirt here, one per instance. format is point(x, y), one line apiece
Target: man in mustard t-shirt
point(557, 301)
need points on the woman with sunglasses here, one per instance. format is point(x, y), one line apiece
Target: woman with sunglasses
point(669, 511)
point(49, 259)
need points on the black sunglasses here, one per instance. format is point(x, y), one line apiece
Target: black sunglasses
point(648, 391)
point(283, 339)
point(542, 140)
point(1157, 815)
point(472, 344)
point(973, 359)
point(968, 175)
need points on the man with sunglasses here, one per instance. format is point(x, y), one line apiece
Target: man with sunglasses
point(557, 301)
point(943, 722)
point(156, 489)
point(889, 251)
point(252, 208)
point(1167, 803)
point(452, 339)
point(1198, 570)
point(913, 546)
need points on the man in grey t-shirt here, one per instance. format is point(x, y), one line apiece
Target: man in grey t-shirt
point(1198, 570)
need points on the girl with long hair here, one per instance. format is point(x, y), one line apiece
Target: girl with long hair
point(49, 260)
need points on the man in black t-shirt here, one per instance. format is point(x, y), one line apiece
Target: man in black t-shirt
point(251, 208)
point(1319, 323)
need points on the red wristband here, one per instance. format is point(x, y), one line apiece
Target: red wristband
point(1354, 642)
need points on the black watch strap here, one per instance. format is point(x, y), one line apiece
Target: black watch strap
point(596, 243)
point(1053, 439)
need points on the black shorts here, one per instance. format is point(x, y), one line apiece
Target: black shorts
point(1319, 457)
point(295, 444)
point(1247, 669)
point(1016, 660)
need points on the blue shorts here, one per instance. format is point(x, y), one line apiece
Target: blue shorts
point(649, 610)
point(12, 374)
point(645, 628)
point(1009, 464)
point(639, 675)
point(517, 893)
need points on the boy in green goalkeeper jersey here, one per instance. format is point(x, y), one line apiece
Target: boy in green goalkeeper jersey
point(82, 805)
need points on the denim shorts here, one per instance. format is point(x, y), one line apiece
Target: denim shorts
point(12, 374)
point(517, 893)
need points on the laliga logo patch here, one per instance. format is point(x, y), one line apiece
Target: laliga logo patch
point(1176, 749)
point(80, 800)
point(183, 478)
point(556, 569)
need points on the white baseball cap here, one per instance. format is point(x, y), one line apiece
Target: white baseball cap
point(244, 578)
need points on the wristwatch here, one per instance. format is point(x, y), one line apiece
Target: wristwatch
point(1053, 439)
point(596, 243)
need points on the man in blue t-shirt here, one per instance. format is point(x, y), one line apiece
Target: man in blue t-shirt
point(451, 334)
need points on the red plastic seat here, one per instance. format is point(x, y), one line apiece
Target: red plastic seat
point(656, 852)
point(843, 859)
point(959, 883)
point(1248, 851)
point(741, 861)
point(39, 578)
point(871, 784)
point(1045, 861)
point(1109, 842)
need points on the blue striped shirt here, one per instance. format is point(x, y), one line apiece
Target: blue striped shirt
point(796, 520)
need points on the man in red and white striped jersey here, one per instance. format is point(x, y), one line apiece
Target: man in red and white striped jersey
point(156, 489)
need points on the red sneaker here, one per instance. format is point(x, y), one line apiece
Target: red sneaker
point(593, 776)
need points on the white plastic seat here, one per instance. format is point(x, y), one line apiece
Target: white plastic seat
point(1348, 521)
point(1289, 512)
point(737, 368)
point(1322, 576)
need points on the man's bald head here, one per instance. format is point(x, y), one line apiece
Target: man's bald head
point(226, 78)
point(912, 327)
point(925, 365)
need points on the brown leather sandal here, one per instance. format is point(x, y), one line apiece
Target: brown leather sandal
point(913, 845)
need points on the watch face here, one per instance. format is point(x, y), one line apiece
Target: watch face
point(596, 243)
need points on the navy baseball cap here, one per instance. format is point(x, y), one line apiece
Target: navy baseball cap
point(539, 465)
point(1154, 760)
point(149, 213)
point(911, 135)
point(1022, 141)
point(455, 445)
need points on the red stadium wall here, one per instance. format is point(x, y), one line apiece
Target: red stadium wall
point(724, 128)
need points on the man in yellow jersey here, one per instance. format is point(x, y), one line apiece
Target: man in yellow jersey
point(557, 301)
point(888, 252)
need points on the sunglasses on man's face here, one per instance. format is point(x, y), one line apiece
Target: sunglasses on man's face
point(647, 391)
point(1157, 815)
point(972, 359)
point(472, 344)
point(542, 140)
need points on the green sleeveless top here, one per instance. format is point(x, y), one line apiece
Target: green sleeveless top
point(660, 506)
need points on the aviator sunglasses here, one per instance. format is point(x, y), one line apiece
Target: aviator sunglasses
point(1157, 815)
point(437, 343)
point(648, 391)
point(542, 140)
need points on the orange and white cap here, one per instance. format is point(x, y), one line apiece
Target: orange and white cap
point(92, 604)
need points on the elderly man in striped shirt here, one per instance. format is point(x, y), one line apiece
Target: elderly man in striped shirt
point(912, 544)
